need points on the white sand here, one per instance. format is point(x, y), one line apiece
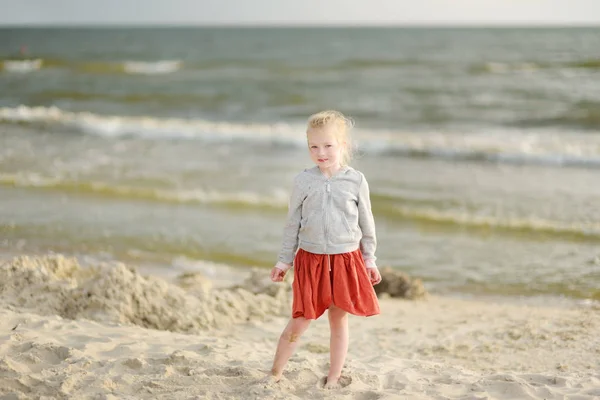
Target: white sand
point(70, 332)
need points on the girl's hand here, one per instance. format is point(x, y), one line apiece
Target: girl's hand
point(277, 274)
point(374, 275)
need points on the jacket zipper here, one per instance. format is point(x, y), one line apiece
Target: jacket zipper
point(327, 196)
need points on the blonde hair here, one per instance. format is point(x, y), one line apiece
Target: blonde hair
point(342, 124)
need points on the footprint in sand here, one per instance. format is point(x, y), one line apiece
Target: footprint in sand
point(270, 382)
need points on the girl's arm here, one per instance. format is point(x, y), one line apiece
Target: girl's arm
point(292, 226)
point(366, 222)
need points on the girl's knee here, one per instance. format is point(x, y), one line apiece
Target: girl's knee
point(295, 329)
point(336, 312)
point(290, 336)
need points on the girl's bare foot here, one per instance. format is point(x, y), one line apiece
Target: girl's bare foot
point(334, 384)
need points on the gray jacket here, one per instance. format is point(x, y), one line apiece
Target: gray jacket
point(329, 215)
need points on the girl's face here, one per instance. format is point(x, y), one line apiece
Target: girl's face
point(324, 147)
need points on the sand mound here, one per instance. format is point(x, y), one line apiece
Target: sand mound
point(56, 285)
point(398, 284)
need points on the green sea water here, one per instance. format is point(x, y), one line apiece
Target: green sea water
point(172, 147)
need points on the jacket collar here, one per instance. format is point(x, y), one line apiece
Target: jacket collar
point(317, 172)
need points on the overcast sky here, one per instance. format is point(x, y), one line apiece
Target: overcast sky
point(284, 12)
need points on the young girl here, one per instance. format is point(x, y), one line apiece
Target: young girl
point(331, 225)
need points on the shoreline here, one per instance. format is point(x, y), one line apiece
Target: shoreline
point(223, 275)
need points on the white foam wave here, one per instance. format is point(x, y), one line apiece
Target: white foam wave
point(503, 146)
point(501, 68)
point(22, 65)
point(152, 68)
point(277, 198)
point(156, 128)
point(590, 229)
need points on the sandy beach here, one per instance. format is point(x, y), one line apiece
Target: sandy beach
point(108, 332)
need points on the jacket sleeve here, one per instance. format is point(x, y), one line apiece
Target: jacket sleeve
point(292, 225)
point(366, 222)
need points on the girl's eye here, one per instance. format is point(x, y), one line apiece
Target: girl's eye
point(328, 145)
point(313, 147)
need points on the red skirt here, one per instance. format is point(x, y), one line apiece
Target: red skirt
point(321, 280)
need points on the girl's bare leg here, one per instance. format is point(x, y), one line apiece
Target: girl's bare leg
point(338, 343)
point(288, 342)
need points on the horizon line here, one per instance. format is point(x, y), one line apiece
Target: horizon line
point(423, 24)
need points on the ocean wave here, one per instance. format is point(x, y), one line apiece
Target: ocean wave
point(474, 220)
point(152, 68)
point(501, 147)
point(129, 67)
point(592, 63)
point(583, 115)
point(99, 67)
point(504, 67)
point(204, 101)
point(168, 66)
point(278, 199)
point(513, 156)
point(21, 66)
point(425, 210)
point(150, 127)
point(543, 148)
point(367, 63)
point(165, 99)
point(498, 67)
